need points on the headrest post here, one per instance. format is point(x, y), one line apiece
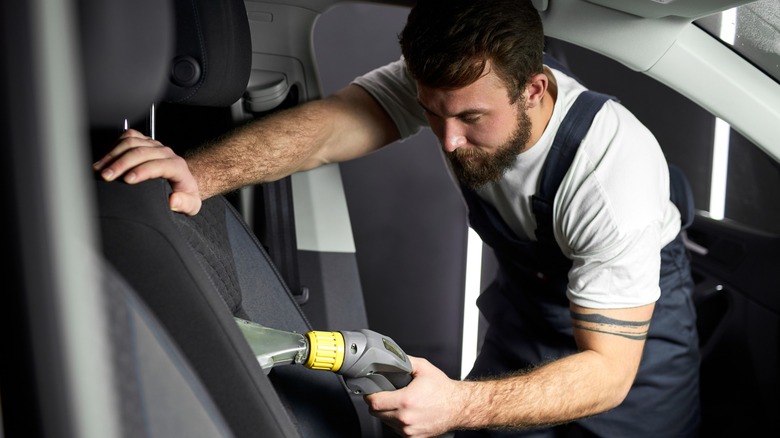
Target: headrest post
point(152, 122)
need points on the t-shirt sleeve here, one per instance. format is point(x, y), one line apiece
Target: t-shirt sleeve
point(395, 90)
point(615, 215)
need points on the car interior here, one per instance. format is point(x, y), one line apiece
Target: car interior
point(118, 315)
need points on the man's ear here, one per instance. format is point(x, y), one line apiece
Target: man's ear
point(534, 91)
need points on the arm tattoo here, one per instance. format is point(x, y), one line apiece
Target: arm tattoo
point(594, 322)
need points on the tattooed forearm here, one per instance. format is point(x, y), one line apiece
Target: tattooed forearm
point(599, 323)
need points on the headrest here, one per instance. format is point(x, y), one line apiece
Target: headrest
point(213, 55)
point(126, 47)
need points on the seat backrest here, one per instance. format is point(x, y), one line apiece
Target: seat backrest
point(196, 273)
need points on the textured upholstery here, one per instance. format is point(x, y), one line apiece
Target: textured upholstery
point(186, 271)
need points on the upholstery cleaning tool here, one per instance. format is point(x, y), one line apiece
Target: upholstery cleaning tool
point(369, 361)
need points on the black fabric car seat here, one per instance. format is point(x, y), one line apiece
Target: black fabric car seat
point(157, 392)
point(196, 273)
point(160, 394)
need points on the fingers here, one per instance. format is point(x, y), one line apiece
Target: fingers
point(383, 401)
point(130, 151)
point(387, 401)
point(137, 158)
point(420, 409)
point(185, 197)
point(129, 139)
point(132, 133)
point(384, 409)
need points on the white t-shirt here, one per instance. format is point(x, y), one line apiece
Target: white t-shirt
point(611, 214)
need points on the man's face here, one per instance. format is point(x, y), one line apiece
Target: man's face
point(480, 130)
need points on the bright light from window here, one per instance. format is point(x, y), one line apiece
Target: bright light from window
point(720, 146)
point(470, 310)
point(720, 166)
point(728, 26)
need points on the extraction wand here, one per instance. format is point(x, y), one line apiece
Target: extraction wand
point(369, 361)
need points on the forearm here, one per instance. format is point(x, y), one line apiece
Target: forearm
point(260, 151)
point(594, 380)
point(574, 387)
point(567, 389)
point(346, 125)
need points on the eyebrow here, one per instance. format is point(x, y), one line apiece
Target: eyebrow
point(468, 112)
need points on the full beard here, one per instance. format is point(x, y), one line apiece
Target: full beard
point(474, 167)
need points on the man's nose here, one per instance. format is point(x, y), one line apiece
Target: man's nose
point(453, 137)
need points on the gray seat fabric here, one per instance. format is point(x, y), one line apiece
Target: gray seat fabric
point(160, 394)
point(185, 269)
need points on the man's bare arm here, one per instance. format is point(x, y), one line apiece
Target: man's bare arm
point(589, 382)
point(341, 127)
point(344, 126)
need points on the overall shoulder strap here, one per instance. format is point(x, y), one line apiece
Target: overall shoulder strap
point(573, 128)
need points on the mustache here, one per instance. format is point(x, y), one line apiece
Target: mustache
point(463, 153)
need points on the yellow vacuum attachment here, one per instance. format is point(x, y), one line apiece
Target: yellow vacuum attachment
point(326, 351)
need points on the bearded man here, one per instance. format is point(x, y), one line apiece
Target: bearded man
point(592, 329)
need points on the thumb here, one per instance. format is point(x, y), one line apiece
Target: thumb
point(186, 203)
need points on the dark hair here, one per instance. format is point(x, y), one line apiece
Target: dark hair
point(447, 43)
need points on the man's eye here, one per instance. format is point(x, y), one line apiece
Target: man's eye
point(471, 119)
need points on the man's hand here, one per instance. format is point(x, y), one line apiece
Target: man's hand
point(137, 158)
point(429, 406)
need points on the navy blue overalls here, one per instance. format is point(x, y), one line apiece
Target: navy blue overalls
point(528, 311)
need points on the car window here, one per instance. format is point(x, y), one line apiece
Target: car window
point(752, 30)
point(745, 181)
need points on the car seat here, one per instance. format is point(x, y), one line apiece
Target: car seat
point(197, 273)
point(159, 393)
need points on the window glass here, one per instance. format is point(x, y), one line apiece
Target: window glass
point(756, 33)
point(750, 181)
